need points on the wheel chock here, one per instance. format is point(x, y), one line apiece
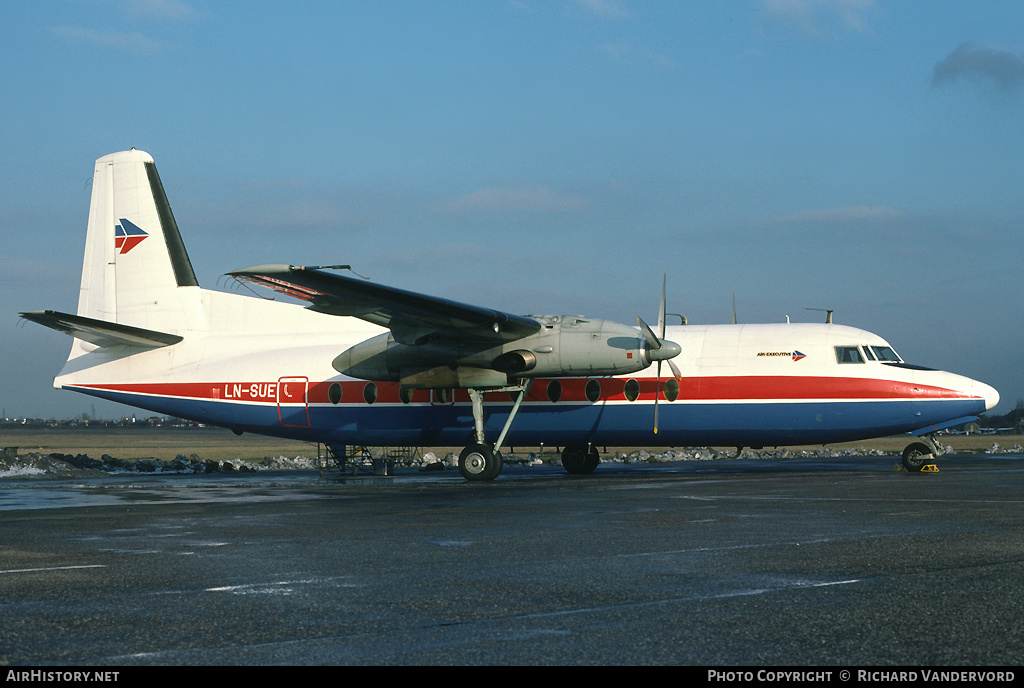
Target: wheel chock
point(927, 468)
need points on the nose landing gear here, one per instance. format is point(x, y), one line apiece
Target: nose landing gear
point(918, 456)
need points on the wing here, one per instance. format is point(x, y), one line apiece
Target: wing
point(411, 317)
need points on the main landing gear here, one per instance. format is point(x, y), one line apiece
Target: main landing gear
point(920, 454)
point(480, 461)
point(581, 459)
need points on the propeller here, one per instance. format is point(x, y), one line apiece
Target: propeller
point(659, 349)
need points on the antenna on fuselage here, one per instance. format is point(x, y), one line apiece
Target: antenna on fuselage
point(828, 313)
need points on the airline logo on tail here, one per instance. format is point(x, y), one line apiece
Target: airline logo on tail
point(127, 236)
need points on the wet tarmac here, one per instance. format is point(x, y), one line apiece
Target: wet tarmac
point(825, 562)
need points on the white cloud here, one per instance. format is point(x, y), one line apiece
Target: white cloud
point(130, 41)
point(845, 215)
point(533, 199)
point(606, 9)
point(161, 9)
point(819, 18)
point(629, 54)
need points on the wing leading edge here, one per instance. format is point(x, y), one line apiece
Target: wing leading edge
point(412, 317)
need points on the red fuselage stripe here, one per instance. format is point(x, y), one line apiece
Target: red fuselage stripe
point(710, 389)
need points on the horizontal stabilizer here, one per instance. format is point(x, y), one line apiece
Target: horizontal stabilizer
point(100, 332)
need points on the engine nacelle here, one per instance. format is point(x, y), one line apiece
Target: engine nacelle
point(576, 346)
point(565, 346)
point(515, 362)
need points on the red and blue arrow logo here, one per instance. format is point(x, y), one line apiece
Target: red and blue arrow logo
point(127, 236)
point(798, 356)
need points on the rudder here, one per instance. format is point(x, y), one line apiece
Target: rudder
point(135, 263)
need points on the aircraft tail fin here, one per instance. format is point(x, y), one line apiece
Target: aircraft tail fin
point(135, 264)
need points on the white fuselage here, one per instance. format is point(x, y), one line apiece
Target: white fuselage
point(264, 366)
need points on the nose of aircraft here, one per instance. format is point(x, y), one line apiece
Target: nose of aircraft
point(964, 387)
point(990, 394)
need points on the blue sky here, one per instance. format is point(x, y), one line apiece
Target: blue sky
point(552, 156)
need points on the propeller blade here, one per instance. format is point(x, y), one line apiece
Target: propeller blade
point(652, 340)
point(658, 349)
point(661, 309)
point(657, 393)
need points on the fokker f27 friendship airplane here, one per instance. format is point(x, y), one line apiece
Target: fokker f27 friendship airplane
point(366, 364)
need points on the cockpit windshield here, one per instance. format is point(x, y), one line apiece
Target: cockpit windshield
point(849, 354)
point(885, 353)
point(865, 353)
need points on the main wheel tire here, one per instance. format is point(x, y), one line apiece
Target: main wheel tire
point(916, 456)
point(580, 460)
point(478, 462)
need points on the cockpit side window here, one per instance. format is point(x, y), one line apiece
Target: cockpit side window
point(885, 353)
point(849, 354)
point(867, 352)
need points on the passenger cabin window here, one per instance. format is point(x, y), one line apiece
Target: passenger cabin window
point(849, 354)
point(631, 389)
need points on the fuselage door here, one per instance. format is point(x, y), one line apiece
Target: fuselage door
point(292, 407)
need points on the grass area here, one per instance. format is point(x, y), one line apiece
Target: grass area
point(215, 444)
point(962, 444)
point(219, 444)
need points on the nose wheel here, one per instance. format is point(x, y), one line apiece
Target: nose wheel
point(918, 455)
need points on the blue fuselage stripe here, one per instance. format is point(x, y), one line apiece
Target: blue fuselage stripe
point(607, 424)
